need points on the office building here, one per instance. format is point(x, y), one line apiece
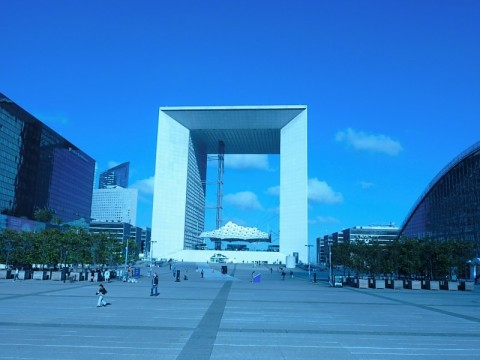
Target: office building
point(378, 234)
point(146, 238)
point(121, 231)
point(116, 176)
point(39, 169)
point(115, 204)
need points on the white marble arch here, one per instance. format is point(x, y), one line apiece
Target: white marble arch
point(187, 134)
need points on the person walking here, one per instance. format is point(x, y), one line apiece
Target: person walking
point(101, 294)
point(154, 288)
point(107, 275)
point(15, 277)
point(283, 275)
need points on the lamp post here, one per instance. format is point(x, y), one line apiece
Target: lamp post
point(330, 263)
point(126, 254)
point(151, 258)
point(308, 246)
point(151, 252)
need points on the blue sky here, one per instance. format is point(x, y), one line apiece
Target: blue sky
point(392, 89)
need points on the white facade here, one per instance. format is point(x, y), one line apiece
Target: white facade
point(187, 134)
point(294, 188)
point(115, 204)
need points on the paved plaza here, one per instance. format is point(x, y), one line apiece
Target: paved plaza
point(229, 317)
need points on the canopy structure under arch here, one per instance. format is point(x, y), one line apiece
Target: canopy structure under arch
point(233, 232)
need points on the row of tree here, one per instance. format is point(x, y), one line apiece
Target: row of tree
point(407, 258)
point(53, 246)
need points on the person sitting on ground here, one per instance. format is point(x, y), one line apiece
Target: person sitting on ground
point(101, 294)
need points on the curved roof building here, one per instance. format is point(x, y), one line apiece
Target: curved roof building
point(449, 209)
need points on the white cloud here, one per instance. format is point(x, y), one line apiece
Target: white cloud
point(245, 200)
point(247, 161)
point(112, 164)
point(274, 190)
point(370, 142)
point(320, 191)
point(275, 210)
point(324, 220)
point(144, 186)
point(366, 184)
point(236, 220)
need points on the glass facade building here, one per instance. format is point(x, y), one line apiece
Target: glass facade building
point(449, 209)
point(39, 169)
point(117, 175)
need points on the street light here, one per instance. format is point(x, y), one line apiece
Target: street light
point(151, 252)
point(309, 246)
point(151, 258)
point(126, 254)
point(330, 262)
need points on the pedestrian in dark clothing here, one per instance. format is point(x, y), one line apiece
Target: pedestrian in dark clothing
point(283, 275)
point(101, 294)
point(201, 273)
point(154, 289)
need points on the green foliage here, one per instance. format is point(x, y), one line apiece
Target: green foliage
point(43, 215)
point(52, 246)
point(427, 258)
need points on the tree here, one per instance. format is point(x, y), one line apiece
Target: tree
point(341, 255)
point(358, 257)
point(408, 257)
point(43, 215)
point(8, 240)
point(372, 258)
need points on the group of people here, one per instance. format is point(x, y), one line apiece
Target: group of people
point(284, 274)
point(101, 292)
point(98, 274)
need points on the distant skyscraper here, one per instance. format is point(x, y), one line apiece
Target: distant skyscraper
point(117, 175)
point(115, 204)
point(39, 169)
